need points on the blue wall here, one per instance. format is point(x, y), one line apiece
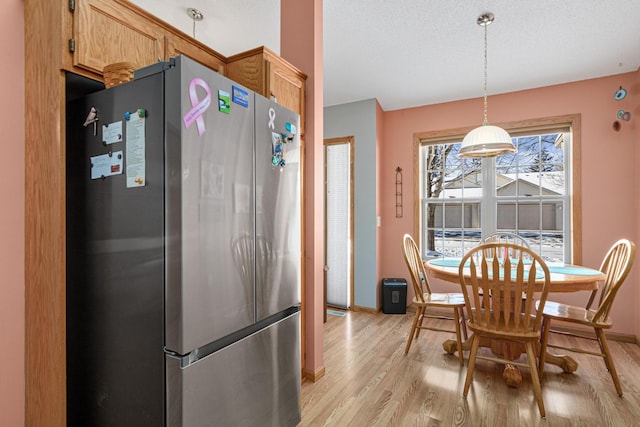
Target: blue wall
point(358, 119)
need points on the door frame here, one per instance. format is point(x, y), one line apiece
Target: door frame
point(337, 141)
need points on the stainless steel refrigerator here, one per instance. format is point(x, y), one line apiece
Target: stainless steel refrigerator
point(183, 254)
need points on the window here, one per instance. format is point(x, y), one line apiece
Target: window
point(531, 193)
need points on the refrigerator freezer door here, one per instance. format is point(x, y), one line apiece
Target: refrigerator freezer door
point(252, 382)
point(277, 208)
point(209, 185)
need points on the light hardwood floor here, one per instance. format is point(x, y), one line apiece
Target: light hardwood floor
point(370, 382)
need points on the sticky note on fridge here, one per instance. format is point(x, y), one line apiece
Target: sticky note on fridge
point(224, 101)
point(112, 133)
point(106, 165)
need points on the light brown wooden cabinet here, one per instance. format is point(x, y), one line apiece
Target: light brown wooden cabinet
point(264, 72)
point(111, 31)
point(105, 32)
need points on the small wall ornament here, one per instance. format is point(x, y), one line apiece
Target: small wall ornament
point(622, 114)
point(398, 192)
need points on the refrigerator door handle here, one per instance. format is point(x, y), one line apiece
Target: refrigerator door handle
point(173, 354)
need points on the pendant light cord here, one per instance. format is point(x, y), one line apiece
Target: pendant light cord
point(485, 122)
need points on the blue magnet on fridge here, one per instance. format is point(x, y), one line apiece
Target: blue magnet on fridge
point(127, 115)
point(275, 160)
point(240, 96)
point(291, 128)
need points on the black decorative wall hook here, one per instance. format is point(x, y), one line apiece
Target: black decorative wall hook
point(398, 192)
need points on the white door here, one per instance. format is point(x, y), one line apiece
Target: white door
point(338, 221)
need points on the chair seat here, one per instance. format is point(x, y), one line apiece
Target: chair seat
point(503, 331)
point(504, 334)
point(570, 313)
point(444, 299)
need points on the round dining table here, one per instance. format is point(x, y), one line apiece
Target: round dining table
point(564, 278)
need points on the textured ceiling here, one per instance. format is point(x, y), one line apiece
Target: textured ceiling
point(408, 53)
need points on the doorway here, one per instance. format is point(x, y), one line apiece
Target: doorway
point(338, 226)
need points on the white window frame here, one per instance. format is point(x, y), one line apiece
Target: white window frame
point(571, 200)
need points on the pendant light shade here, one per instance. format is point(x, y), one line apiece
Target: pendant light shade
point(486, 140)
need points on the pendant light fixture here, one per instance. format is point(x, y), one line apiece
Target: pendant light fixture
point(196, 16)
point(486, 140)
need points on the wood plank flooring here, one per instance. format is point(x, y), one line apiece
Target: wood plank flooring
point(370, 382)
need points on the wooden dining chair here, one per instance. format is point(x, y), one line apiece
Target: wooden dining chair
point(615, 265)
point(424, 299)
point(504, 270)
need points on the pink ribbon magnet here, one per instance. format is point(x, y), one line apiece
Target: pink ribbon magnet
point(198, 107)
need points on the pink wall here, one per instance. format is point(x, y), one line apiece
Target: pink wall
point(609, 168)
point(12, 214)
point(301, 44)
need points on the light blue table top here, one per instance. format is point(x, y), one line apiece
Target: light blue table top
point(553, 268)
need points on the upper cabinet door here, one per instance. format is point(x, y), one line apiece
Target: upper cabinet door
point(266, 73)
point(286, 85)
point(208, 57)
point(105, 32)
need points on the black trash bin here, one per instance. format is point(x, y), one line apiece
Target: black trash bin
point(394, 296)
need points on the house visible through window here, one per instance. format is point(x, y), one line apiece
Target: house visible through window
point(528, 193)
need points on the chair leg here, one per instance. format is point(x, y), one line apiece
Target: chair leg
point(472, 363)
point(546, 326)
point(413, 329)
point(463, 320)
point(422, 316)
point(608, 360)
point(602, 350)
point(535, 377)
point(456, 315)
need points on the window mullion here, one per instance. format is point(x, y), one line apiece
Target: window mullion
point(489, 202)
